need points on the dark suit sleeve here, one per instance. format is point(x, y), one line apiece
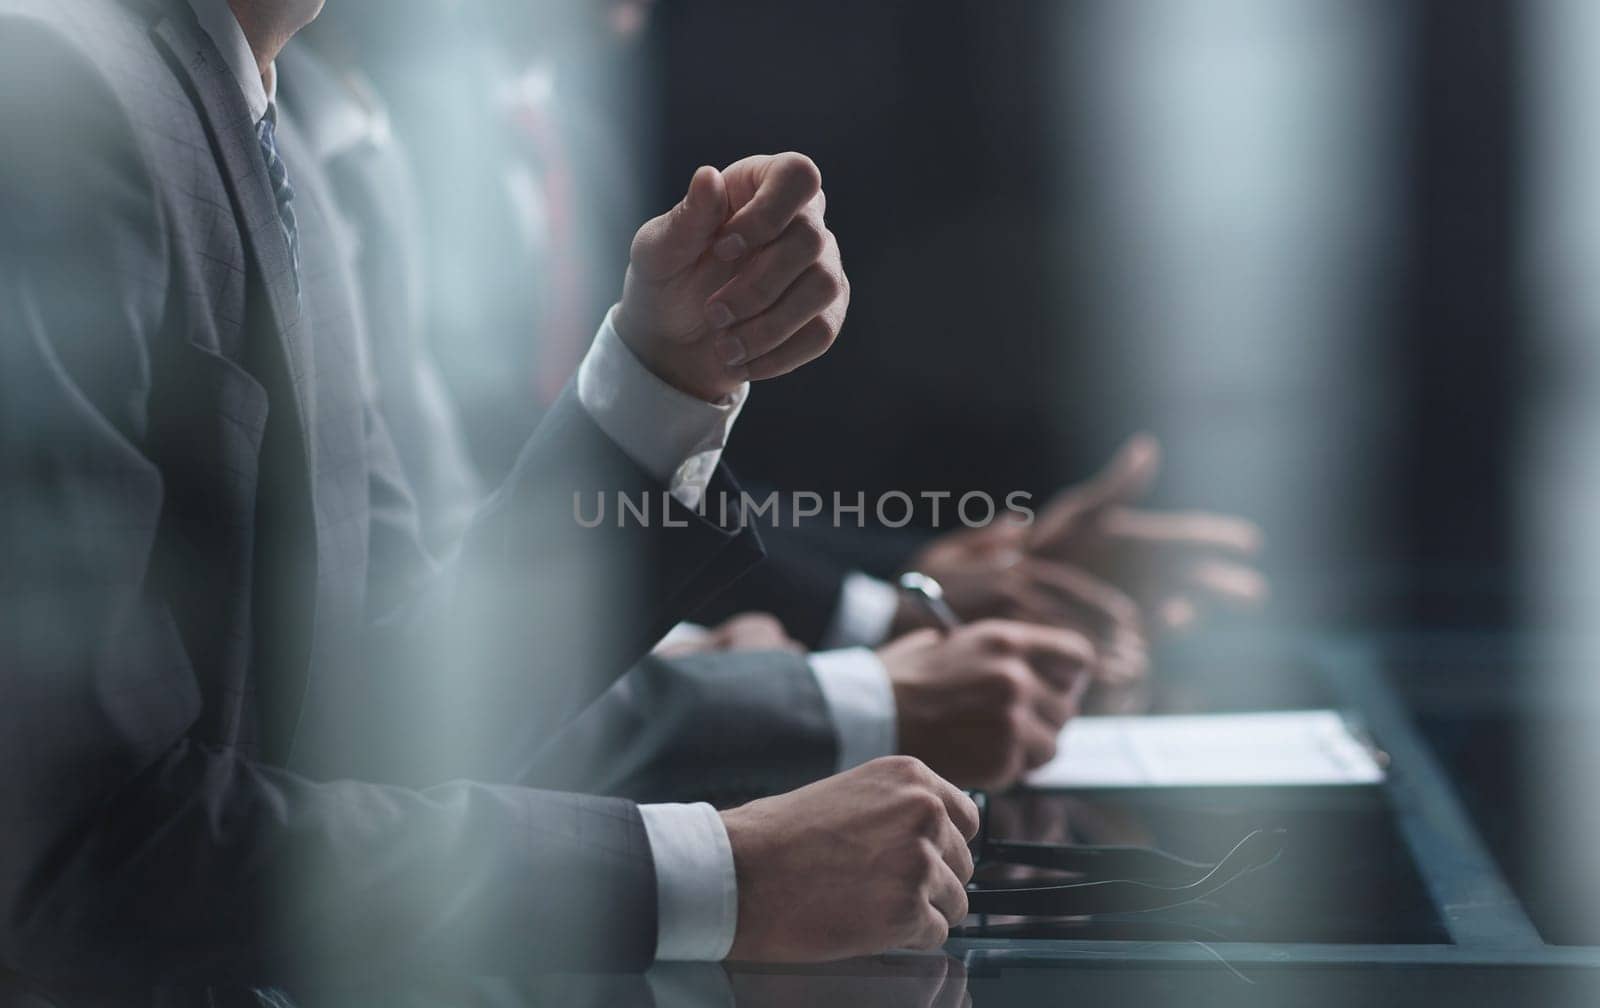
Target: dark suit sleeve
point(722, 728)
point(469, 668)
point(799, 584)
point(130, 853)
point(809, 558)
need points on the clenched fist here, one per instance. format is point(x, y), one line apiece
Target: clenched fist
point(872, 859)
point(741, 281)
point(984, 705)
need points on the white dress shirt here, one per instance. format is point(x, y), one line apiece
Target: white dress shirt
point(865, 612)
point(675, 437)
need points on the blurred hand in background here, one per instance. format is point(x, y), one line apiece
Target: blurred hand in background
point(1094, 563)
point(1177, 565)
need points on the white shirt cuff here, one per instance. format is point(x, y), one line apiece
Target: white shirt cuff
point(865, 613)
point(673, 436)
point(855, 687)
point(697, 892)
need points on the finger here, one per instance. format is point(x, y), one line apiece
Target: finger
point(1055, 709)
point(812, 294)
point(956, 852)
point(959, 806)
point(674, 241)
point(805, 346)
point(1123, 480)
point(1002, 540)
point(948, 895)
point(1103, 604)
point(770, 273)
point(1185, 530)
point(768, 191)
point(757, 632)
point(1057, 655)
point(1230, 583)
point(1125, 660)
point(1038, 741)
point(1126, 477)
point(931, 932)
point(1177, 613)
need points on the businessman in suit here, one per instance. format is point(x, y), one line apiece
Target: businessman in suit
point(227, 655)
point(501, 121)
point(980, 707)
point(722, 727)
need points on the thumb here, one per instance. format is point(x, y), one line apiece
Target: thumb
point(674, 241)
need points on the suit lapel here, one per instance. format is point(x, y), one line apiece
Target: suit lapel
point(233, 136)
point(290, 515)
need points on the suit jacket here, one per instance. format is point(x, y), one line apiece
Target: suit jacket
point(808, 559)
point(239, 696)
point(722, 728)
point(450, 110)
point(715, 728)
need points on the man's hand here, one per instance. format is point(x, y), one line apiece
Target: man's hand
point(1174, 564)
point(986, 574)
point(741, 281)
point(984, 705)
point(872, 859)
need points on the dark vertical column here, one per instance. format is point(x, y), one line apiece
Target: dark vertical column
point(1460, 332)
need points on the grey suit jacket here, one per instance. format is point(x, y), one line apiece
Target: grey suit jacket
point(714, 728)
point(240, 702)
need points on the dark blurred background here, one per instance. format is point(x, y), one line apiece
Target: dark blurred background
point(1339, 255)
point(1330, 252)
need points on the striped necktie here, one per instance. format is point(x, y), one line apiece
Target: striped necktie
point(282, 190)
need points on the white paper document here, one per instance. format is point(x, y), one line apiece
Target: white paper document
point(1209, 750)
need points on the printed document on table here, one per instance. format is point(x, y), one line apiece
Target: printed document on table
point(1209, 750)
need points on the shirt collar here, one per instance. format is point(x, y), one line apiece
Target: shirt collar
point(217, 20)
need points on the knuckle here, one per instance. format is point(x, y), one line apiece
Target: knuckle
point(764, 621)
point(1016, 724)
point(1076, 645)
point(911, 912)
point(964, 866)
point(927, 811)
point(822, 331)
point(937, 933)
point(810, 239)
point(804, 170)
point(817, 336)
point(829, 286)
point(959, 906)
point(999, 637)
point(901, 767)
point(971, 818)
point(1009, 684)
